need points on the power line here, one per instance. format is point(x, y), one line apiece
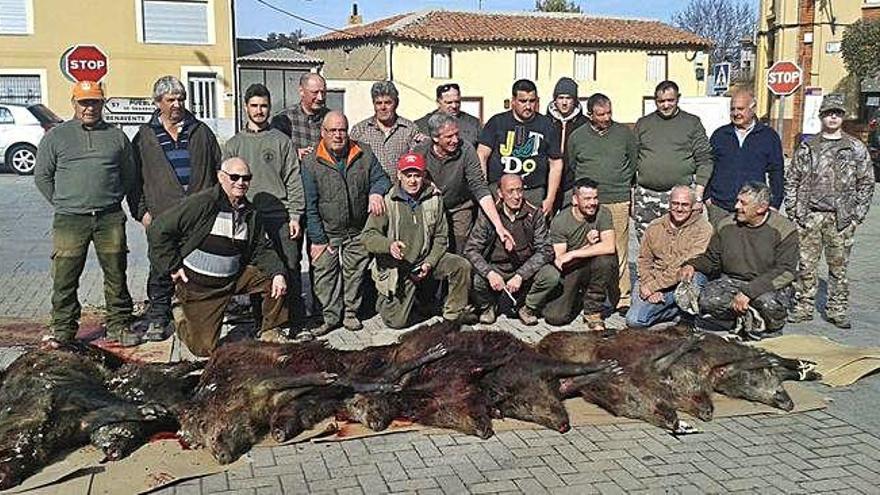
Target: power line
point(301, 18)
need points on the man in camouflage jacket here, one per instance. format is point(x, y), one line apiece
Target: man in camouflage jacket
point(828, 190)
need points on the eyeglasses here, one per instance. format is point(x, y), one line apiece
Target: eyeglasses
point(238, 177)
point(446, 87)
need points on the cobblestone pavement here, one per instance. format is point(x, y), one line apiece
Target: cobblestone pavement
point(834, 450)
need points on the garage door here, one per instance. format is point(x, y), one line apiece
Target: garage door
point(20, 89)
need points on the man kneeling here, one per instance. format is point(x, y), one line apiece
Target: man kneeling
point(410, 242)
point(511, 268)
point(752, 257)
point(214, 246)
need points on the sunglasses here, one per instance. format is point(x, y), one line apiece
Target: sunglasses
point(446, 87)
point(238, 177)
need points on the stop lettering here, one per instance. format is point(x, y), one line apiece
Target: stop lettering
point(84, 63)
point(784, 78)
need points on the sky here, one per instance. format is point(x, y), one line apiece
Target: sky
point(254, 19)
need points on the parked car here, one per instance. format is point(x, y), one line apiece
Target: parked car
point(21, 129)
point(874, 143)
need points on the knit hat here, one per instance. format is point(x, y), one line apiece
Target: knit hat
point(566, 86)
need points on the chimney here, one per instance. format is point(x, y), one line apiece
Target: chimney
point(355, 19)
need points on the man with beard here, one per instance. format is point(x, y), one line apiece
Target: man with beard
point(829, 187)
point(524, 273)
point(449, 103)
point(410, 241)
point(276, 191)
point(455, 169)
point(583, 243)
point(387, 134)
point(566, 115)
point(669, 241)
point(214, 247)
point(673, 150)
point(607, 152)
point(177, 156)
point(525, 143)
point(751, 263)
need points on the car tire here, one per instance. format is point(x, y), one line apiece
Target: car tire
point(22, 158)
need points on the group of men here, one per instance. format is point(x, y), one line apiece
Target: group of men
point(529, 212)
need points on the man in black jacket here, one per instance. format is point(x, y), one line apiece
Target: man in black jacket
point(566, 113)
point(499, 269)
point(176, 156)
point(214, 246)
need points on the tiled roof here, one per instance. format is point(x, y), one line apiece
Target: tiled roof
point(280, 55)
point(439, 26)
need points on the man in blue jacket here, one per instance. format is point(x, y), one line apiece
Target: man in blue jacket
point(744, 150)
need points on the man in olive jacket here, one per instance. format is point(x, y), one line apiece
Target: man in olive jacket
point(343, 184)
point(176, 155)
point(214, 246)
point(410, 240)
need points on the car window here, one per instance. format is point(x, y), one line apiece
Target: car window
point(6, 116)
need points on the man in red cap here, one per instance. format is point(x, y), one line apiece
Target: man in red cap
point(410, 241)
point(85, 167)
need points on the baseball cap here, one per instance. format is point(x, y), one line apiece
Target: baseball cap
point(411, 161)
point(87, 90)
point(833, 101)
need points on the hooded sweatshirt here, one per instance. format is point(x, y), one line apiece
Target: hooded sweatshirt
point(564, 127)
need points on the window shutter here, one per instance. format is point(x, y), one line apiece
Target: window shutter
point(656, 70)
point(13, 17)
point(441, 59)
point(526, 63)
point(176, 21)
point(585, 66)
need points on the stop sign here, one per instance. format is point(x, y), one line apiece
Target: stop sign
point(84, 63)
point(784, 78)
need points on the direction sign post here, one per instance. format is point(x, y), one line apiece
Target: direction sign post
point(128, 111)
point(84, 63)
point(783, 79)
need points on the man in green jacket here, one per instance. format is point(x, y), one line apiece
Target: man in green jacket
point(673, 151)
point(85, 167)
point(276, 191)
point(214, 246)
point(410, 240)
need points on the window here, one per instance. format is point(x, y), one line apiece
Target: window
point(182, 22)
point(441, 63)
point(6, 116)
point(14, 17)
point(202, 95)
point(20, 89)
point(656, 70)
point(585, 66)
point(336, 99)
point(526, 65)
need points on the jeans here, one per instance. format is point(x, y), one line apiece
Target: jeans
point(645, 314)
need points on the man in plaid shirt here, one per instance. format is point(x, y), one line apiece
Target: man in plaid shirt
point(303, 122)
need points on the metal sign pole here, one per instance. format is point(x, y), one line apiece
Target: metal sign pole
point(780, 126)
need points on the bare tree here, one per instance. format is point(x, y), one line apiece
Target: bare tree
point(725, 22)
point(281, 40)
point(557, 6)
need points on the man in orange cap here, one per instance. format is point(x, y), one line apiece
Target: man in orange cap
point(410, 241)
point(85, 168)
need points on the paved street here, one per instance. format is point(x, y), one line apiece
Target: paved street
point(836, 450)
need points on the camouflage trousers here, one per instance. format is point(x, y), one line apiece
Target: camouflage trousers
point(819, 232)
point(716, 299)
point(648, 206)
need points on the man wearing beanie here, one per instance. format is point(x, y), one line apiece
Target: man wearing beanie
point(566, 114)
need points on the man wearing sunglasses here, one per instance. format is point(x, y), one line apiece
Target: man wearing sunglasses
point(449, 103)
point(84, 169)
point(828, 189)
point(214, 246)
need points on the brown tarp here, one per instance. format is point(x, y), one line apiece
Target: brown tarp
point(840, 365)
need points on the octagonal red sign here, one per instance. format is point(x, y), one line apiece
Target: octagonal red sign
point(784, 78)
point(84, 63)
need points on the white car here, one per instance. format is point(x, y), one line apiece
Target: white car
point(21, 129)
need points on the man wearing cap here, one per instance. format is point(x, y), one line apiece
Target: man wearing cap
point(177, 155)
point(743, 150)
point(343, 184)
point(85, 167)
point(828, 189)
point(449, 103)
point(410, 243)
point(523, 142)
point(566, 114)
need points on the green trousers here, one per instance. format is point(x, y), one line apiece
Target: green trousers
point(533, 292)
point(396, 310)
point(339, 278)
point(71, 235)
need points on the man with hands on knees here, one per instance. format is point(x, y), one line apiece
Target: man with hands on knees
point(214, 246)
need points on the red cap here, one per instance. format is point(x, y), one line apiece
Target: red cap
point(411, 161)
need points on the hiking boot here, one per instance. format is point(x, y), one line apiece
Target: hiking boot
point(840, 321)
point(128, 338)
point(352, 324)
point(527, 316)
point(324, 329)
point(275, 335)
point(799, 316)
point(157, 332)
point(595, 322)
point(487, 317)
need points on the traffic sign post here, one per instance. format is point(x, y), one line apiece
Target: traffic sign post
point(783, 79)
point(84, 63)
point(128, 111)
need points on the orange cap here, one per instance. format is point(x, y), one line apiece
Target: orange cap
point(87, 90)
